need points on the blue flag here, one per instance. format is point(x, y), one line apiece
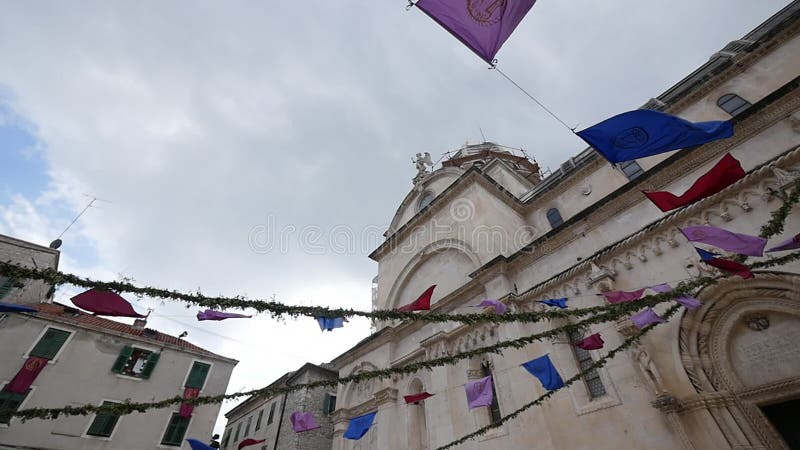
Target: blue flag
point(8, 307)
point(359, 426)
point(644, 132)
point(543, 369)
point(557, 302)
point(329, 323)
point(197, 445)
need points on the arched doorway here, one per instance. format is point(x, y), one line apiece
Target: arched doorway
point(741, 354)
point(417, 422)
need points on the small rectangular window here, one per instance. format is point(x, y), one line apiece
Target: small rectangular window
point(271, 413)
point(10, 401)
point(197, 376)
point(329, 404)
point(50, 343)
point(494, 409)
point(238, 431)
point(103, 424)
point(258, 419)
point(247, 426)
point(631, 169)
point(135, 362)
point(176, 429)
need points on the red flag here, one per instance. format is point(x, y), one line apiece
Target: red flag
point(423, 303)
point(187, 408)
point(724, 264)
point(416, 398)
point(592, 342)
point(249, 441)
point(104, 303)
point(26, 375)
point(726, 172)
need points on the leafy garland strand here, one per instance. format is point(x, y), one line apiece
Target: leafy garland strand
point(597, 364)
point(778, 217)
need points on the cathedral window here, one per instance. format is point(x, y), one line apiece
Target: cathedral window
point(732, 104)
point(554, 217)
point(494, 408)
point(425, 200)
point(592, 379)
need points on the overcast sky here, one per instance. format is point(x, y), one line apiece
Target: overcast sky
point(207, 123)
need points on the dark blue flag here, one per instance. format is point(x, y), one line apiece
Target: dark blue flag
point(197, 445)
point(557, 302)
point(359, 426)
point(644, 132)
point(543, 369)
point(8, 307)
point(329, 323)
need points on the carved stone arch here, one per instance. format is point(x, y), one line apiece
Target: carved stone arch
point(421, 257)
point(413, 196)
point(358, 393)
point(739, 353)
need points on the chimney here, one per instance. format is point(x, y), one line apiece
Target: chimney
point(139, 324)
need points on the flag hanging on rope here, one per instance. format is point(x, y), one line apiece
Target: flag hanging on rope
point(644, 132)
point(482, 25)
point(197, 445)
point(688, 302)
point(593, 342)
point(416, 398)
point(622, 296)
point(8, 307)
point(329, 323)
point(359, 426)
point(712, 259)
point(555, 302)
point(249, 441)
point(423, 303)
point(210, 314)
point(743, 244)
point(23, 380)
point(479, 392)
point(543, 369)
point(104, 303)
point(646, 317)
point(726, 172)
point(789, 244)
point(496, 305)
point(303, 421)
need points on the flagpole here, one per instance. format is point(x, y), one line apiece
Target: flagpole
point(541, 105)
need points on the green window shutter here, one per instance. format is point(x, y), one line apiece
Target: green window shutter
point(271, 413)
point(175, 430)
point(197, 376)
point(10, 401)
point(103, 423)
point(258, 420)
point(329, 404)
point(151, 364)
point(49, 345)
point(122, 359)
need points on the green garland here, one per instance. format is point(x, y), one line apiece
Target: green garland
point(778, 217)
point(277, 309)
point(597, 364)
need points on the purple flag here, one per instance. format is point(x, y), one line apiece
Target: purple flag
point(645, 318)
point(481, 25)
point(622, 296)
point(479, 392)
point(210, 314)
point(498, 306)
point(688, 302)
point(789, 244)
point(743, 244)
point(303, 421)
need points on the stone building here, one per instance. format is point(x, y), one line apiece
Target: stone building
point(484, 225)
point(93, 360)
point(267, 418)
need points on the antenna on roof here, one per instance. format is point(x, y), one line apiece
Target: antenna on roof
point(57, 242)
point(482, 135)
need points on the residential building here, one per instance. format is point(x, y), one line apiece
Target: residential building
point(485, 225)
point(260, 417)
point(93, 360)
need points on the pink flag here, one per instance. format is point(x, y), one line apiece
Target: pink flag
point(26, 375)
point(416, 398)
point(645, 318)
point(743, 244)
point(789, 244)
point(479, 392)
point(498, 306)
point(303, 421)
point(592, 342)
point(210, 314)
point(483, 26)
point(622, 296)
point(104, 303)
point(187, 408)
point(688, 302)
point(423, 303)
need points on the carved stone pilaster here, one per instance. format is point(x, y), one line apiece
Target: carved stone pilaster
point(387, 395)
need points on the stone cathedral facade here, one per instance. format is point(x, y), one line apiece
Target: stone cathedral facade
point(486, 224)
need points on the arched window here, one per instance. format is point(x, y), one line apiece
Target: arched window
point(425, 200)
point(554, 217)
point(494, 409)
point(417, 423)
point(631, 169)
point(592, 379)
point(732, 104)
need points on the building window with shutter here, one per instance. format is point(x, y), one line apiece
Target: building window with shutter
point(50, 343)
point(494, 408)
point(592, 379)
point(329, 404)
point(554, 217)
point(176, 430)
point(10, 401)
point(135, 362)
point(271, 413)
point(103, 424)
point(238, 431)
point(197, 376)
point(247, 426)
point(258, 419)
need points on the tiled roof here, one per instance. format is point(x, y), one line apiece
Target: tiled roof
point(81, 318)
